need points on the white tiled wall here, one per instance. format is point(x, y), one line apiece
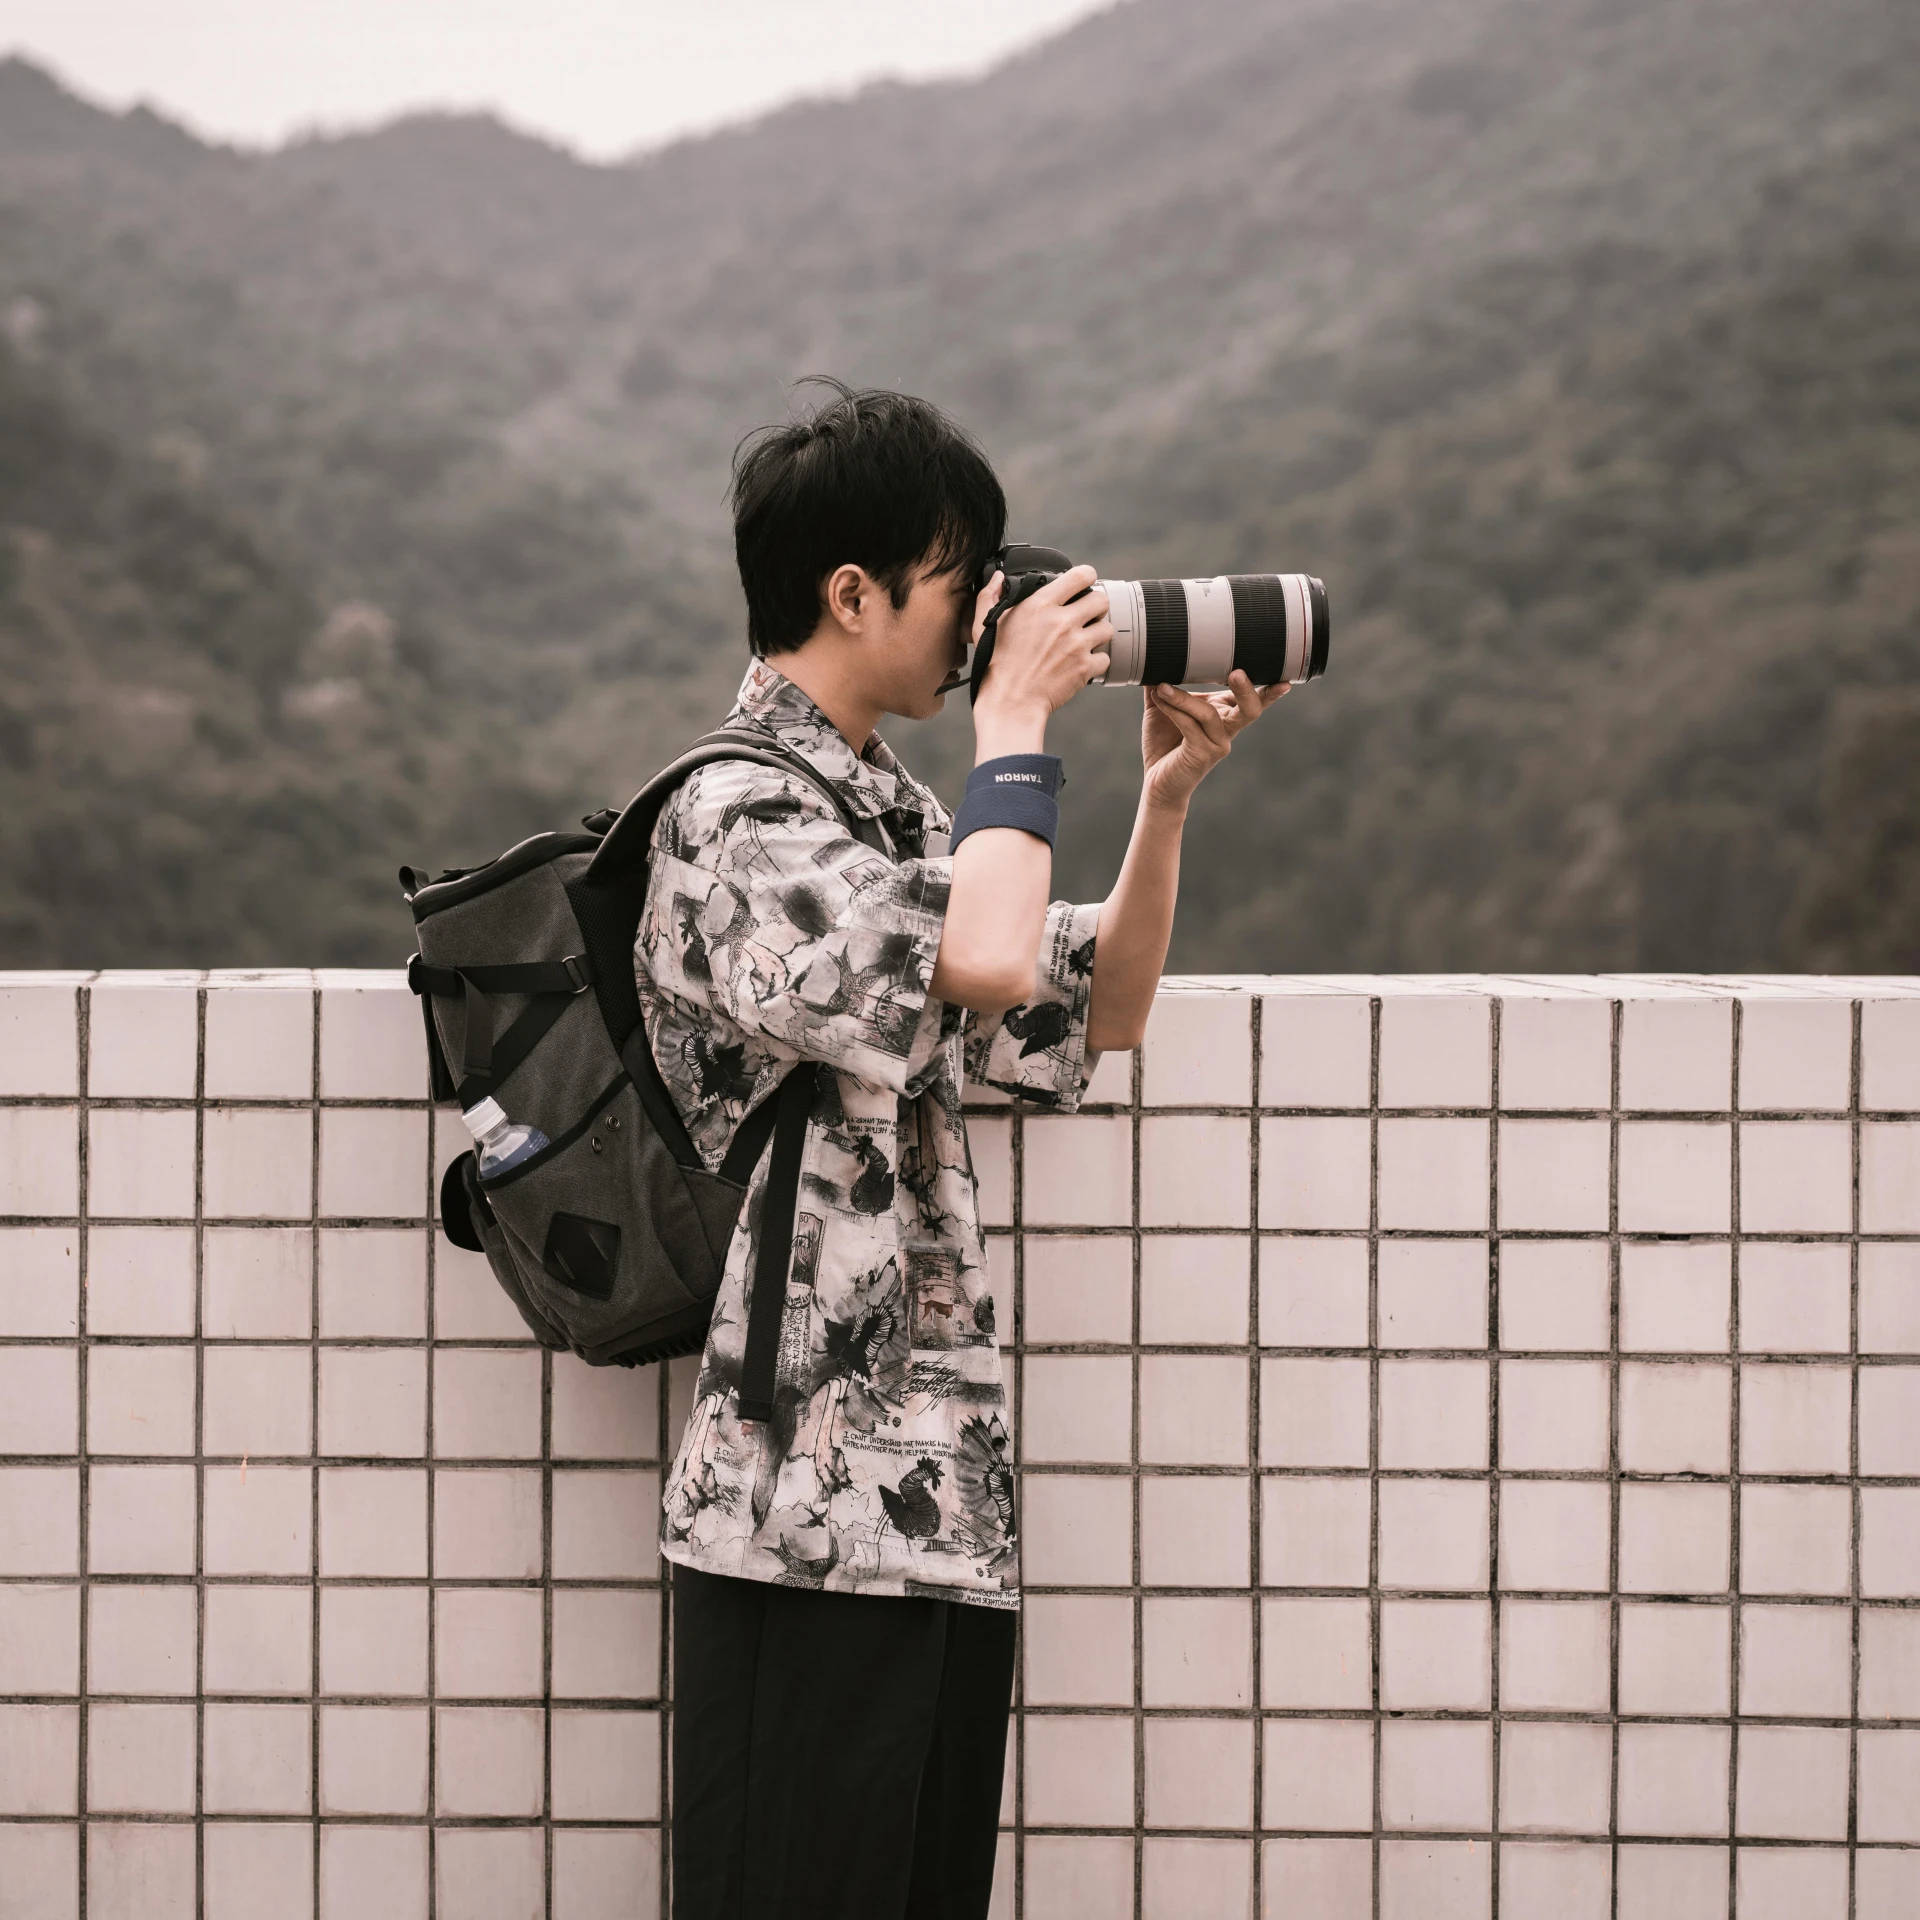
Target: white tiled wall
point(1480, 1478)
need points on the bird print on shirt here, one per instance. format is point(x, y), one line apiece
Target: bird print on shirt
point(911, 1506)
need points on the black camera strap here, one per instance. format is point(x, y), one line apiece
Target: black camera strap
point(1020, 587)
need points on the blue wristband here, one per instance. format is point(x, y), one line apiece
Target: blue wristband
point(1046, 771)
point(1014, 791)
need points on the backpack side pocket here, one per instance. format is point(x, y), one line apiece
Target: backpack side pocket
point(467, 1219)
point(607, 1232)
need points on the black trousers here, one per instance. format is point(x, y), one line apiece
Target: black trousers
point(836, 1756)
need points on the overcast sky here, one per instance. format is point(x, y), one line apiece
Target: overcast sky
point(602, 76)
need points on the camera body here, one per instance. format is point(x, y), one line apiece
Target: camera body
point(1271, 626)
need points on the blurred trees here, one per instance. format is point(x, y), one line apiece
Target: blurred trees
point(363, 502)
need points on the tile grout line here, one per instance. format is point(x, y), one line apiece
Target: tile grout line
point(83, 1080)
point(1257, 1604)
point(1616, 1023)
point(665, 1448)
point(547, 1360)
point(1855, 1498)
point(313, 1415)
point(1137, 1608)
point(1375, 1009)
point(1016, 1388)
point(1494, 1006)
point(199, 1451)
point(1736, 1373)
point(431, 1557)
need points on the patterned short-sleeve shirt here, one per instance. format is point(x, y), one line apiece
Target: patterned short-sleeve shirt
point(772, 935)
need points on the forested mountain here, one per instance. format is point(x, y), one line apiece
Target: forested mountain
point(365, 498)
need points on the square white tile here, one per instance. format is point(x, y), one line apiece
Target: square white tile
point(1194, 1170)
point(1199, 1051)
point(1079, 1288)
point(1316, 1652)
point(1077, 1172)
point(1795, 1419)
point(40, 1034)
point(1889, 1056)
point(1077, 1530)
point(1194, 1290)
point(1556, 1053)
point(1436, 1655)
point(257, 1283)
point(1315, 1533)
point(1554, 1416)
point(1676, 1054)
point(260, 1037)
point(1554, 1536)
point(1315, 1413)
point(1675, 1176)
point(1554, 1296)
point(1316, 1050)
point(1316, 1172)
point(1795, 1054)
point(1555, 1175)
point(1890, 1298)
point(1433, 1413)
point(1313, 1291)
point(1434, 1534)
point(259, 1164)
point(1676, 1298)
point(140, 1163)
point(1435, 1050)
point(40, 1283)
point(1796, 1297)
point(39, 1162)
point(1433, 1293)
point(1433, 1174)
point(1890, 1177)
point(1796, 1176)
point(372, 1040)
point(373, 1163)
point(143, 1036)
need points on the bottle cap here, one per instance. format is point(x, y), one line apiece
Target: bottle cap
point(482, 1118)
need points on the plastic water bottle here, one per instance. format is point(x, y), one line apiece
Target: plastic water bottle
point(500, 1142)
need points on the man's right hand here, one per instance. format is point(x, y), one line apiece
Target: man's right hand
point(1047, 649)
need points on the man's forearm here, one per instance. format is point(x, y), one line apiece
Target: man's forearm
point(1002, 879)
point(1136, 924)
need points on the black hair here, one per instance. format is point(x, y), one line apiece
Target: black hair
point(873, 479)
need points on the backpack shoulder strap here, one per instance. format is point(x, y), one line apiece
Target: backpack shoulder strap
point(627, 840)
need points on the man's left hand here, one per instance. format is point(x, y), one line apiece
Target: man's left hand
point(1184, 736)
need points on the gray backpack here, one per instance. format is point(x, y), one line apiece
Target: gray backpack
point(610, 1238)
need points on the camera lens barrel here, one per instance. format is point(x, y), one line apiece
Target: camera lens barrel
point(1272, 626)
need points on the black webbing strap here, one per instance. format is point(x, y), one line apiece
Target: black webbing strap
point(533, 976)
point(511, 1048)
point(637, 1057)
point(476, 1038)
point(775, 1253)
point(551, 983)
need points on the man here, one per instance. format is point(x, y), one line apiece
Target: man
point(846, 1580)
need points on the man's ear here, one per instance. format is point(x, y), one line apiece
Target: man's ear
point(845, 595)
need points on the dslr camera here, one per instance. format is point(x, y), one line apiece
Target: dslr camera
point(1272, 626)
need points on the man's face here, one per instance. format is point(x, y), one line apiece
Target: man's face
point(917, 646)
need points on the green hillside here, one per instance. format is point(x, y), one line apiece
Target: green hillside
point(1572, 343)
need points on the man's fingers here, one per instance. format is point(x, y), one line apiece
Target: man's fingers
point(1249, 701)
point(1062, 588)
point(1203, 713)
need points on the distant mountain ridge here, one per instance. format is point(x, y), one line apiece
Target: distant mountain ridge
point(1490, 310)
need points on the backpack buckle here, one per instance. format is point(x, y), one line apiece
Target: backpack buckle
point(578, 972)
